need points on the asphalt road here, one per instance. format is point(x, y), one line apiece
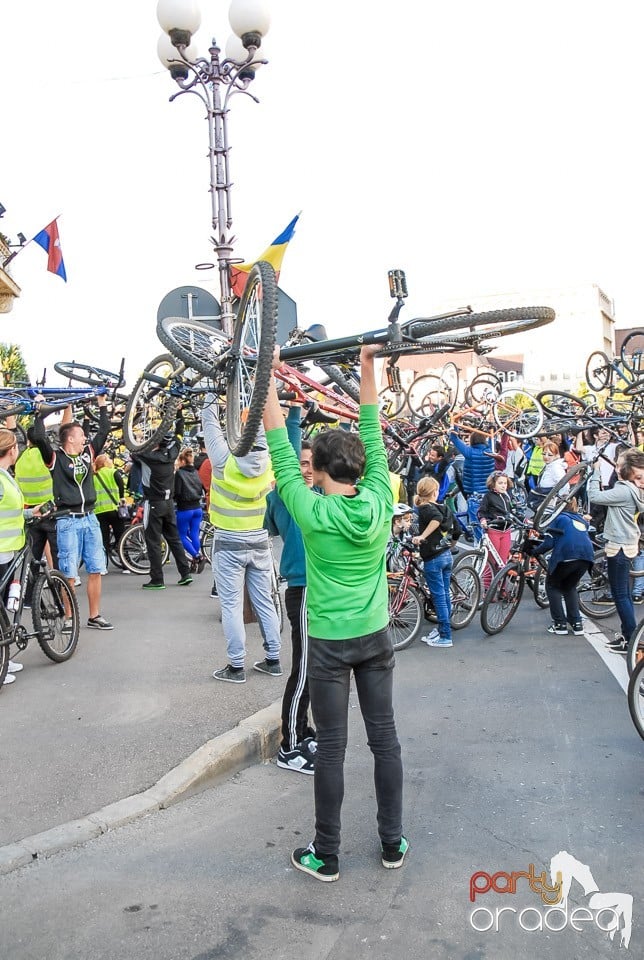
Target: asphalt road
point(515, 747)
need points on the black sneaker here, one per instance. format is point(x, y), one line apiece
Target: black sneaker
point(99, 623)
point(272, 667)
point(578, 628)
point(617, 641)
point(322, 866)
point(298, 759)
point(213, 592)
point(561, 629)
point(201, 563)
point(635, 600)
point(393, 854)
point(185, 581)
point(618, 646)
point(151, 585)
point(230, 674)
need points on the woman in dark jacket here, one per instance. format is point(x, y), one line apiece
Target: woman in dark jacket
point(188, 494)
point(572, 556)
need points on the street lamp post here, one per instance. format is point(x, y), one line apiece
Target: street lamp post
point(214, 80)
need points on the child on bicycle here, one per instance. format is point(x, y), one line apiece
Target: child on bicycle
point(495, 512)
point(400, 530)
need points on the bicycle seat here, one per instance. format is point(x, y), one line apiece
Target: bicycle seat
point(317, 332)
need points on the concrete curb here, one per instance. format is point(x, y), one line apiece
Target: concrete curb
point(254, 739)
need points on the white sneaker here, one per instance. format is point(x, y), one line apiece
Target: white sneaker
point(8, 679)
point(434, 635)
point(77, 582)
point(15, 667)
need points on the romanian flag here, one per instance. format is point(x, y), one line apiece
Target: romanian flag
point(273, 254)
point(49, 240)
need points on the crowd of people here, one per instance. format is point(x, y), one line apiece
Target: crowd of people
point(342, 517)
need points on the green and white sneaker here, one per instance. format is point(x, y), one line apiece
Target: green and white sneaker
point(393, 854)
point(322, 866)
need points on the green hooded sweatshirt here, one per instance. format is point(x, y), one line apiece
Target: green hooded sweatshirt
point(345, 537)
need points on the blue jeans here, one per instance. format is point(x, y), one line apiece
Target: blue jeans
point(234, 562)
point(79, 538)
point(473, 504)
point(371, 658)
point(618, 568)
point(437, 574)
point(638, 582)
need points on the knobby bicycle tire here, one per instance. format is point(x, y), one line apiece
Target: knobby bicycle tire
point(406, 610)
point(150, 410)
point(499, 323)
point(250, 365)
point(636, 698)
point(335, 373)
point(502, 598)
point(5, 629)
point(51, 590)
point(554, 501)
point(197, 344)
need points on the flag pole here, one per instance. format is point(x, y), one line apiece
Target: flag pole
point(22, 247)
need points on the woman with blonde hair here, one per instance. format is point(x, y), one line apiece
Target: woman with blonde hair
point(433, 520)
point(110, 492)
point(188, 494)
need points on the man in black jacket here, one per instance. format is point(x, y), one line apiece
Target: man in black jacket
point(77, 532)
point(159, 517)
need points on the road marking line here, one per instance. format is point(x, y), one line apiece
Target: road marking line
point(615, 662)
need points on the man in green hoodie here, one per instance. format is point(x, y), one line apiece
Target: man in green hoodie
point(345, 535)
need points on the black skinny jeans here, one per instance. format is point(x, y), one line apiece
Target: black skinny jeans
point(330, 664)
point(295, 702)
point(561, 587)
point(160, 522)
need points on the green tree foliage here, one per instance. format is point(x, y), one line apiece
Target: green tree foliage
point(13, 368)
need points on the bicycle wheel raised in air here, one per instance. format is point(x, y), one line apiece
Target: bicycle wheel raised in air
point(598, 371)
point(493, 323)
point(12, 404)
point(636, 698)
point(557, 499)
point(632, 353)
point(251, 356)
point(197, 344)
point(518, 413)
point(427, 394)
point(94, 376)
point(343, 377)
point(54, 611)
point(150, 410)
point(481, 387)
point(593, 590)
point(502, 598)
point(392, 402)
point(465, 591)
point(635, 651)
point(557, 403)
point(405, 612)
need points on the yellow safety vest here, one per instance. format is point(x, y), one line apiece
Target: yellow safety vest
point(34, 479)
point(12, 518)
point(104, 502)
point(238, 502)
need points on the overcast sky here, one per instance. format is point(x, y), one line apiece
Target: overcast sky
point(483, 147)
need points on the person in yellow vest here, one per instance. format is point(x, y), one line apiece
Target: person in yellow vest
point(110, 493)
point(241, 550)
point(12, 529)
point(34, 480)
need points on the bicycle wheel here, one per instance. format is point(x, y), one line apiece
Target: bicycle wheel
point(593, 590)
point(636, 698)
point(5, 651)
point(344, 378)
point(632, 353)
point(249, 368)
point(502, 598)
point(405, 612)
point(450, 376)
point(427, 394)
point(598, 371)
point(635, 651)
point(12, 404)
point(557, 403)
point(539, 589)
point(52, 593)
point(481, 386)
point(276, 597)
point(133, 550)
point(465, 591)
point(557, 499)
point(94, 376)
point(206, 539)
point(151, 409)
point(197, 344)
point(518, 413)
point(392, 402)
point(492, 323)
